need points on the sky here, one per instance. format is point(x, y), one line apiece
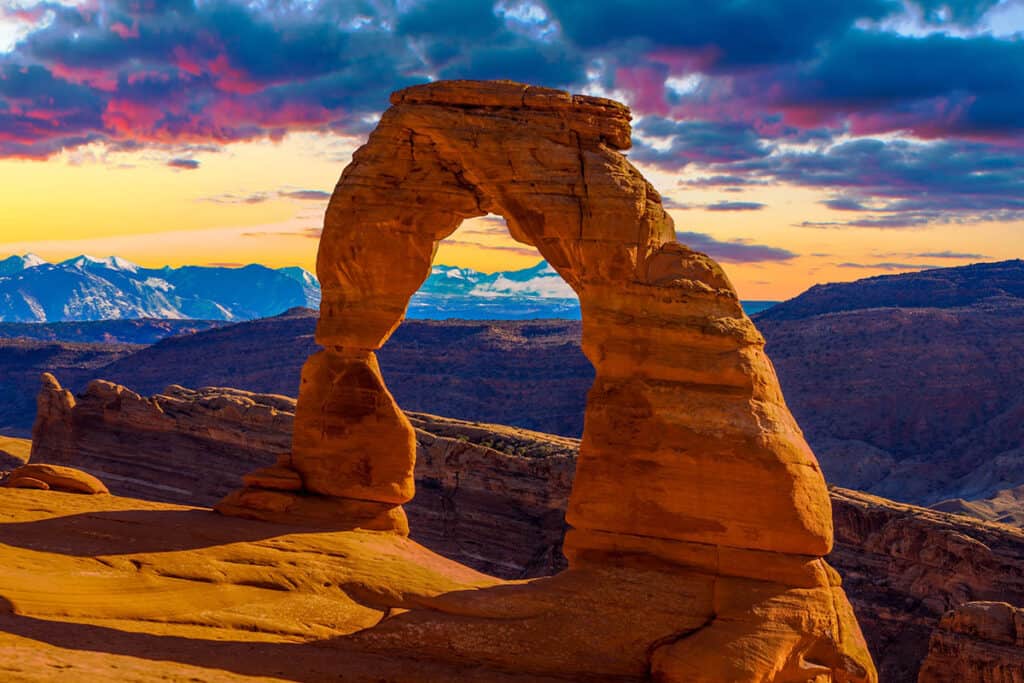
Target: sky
point(796, 141)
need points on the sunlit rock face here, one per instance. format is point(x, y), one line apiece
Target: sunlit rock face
point(691, 466)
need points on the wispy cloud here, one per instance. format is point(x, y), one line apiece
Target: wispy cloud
point(184, 164)
point(734, 251)
point(888, 265)
point(735, 206)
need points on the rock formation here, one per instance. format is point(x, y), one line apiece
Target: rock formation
point(980, 642)
point(47, 477)
point(904, 567)
point(689, 455)
point(181, 445)
point(494, 497)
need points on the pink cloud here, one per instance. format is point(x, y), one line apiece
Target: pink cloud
point(125, 31)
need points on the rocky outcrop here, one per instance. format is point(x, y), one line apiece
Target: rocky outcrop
point(181, 445)
point(55, 477)
point(493, 498)
point(689, 460)
point(905, 566)
point(980, 642)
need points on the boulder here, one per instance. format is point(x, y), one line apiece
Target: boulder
point(55, 477)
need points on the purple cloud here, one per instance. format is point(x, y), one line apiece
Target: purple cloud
point(733, 251)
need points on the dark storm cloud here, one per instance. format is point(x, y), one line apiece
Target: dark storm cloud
point(733, 251)
point(934, 85)
point(735, 33)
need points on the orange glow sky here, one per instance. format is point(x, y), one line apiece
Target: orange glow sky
point(134, 205)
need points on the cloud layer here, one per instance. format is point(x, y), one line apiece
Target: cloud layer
point(904, 113)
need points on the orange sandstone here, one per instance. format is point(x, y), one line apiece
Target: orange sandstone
point(57, 477)
point(689, 459)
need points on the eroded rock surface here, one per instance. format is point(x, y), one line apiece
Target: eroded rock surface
point(905, 566)
point(689, 458)
point(494, 497)
point(490, 496)
point(980, 642)
point(181, 445)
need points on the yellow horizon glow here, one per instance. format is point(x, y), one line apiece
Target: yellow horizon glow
point(131, 204)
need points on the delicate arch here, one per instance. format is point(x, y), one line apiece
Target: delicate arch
point(689, 454)
point(687, 438)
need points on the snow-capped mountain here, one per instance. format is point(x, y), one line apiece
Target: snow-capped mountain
point(16, 264)
point(113, 288)
point(86, 262)
point(453, 292)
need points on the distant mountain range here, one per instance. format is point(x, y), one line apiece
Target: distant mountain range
point(86, 288)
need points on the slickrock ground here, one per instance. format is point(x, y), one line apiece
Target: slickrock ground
point(980, 642)
point(494, 497)
point(101, 588)
point(14, 452)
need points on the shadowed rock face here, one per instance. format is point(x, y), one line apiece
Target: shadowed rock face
point(689, 455)
point(981, 642)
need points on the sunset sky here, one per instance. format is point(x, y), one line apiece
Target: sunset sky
point(797, 141)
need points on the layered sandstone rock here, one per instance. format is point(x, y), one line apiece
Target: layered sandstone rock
point(494, 497)
point(689, 455)
point(181, 445)
point(905, 566)
point(980, 642)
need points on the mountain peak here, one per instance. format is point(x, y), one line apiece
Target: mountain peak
point(85, 261)
point(15, 264)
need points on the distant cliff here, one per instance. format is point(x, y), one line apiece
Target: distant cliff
point(909, 386)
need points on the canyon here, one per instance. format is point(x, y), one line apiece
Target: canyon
point(846, 374)
point(687, 536)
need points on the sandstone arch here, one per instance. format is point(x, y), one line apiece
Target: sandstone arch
point(689, 453)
